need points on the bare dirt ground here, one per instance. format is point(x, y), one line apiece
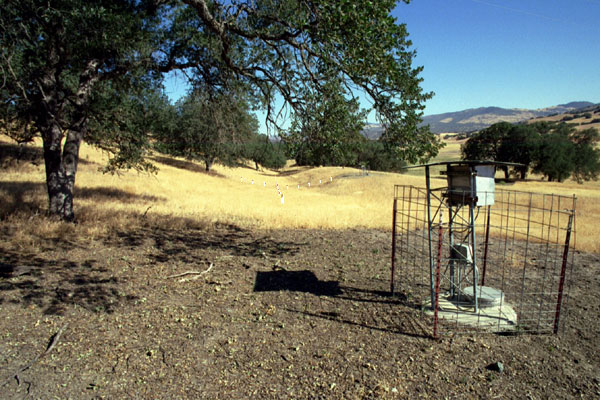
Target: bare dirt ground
point(280, 314)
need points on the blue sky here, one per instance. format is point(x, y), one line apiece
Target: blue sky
point(505, 53)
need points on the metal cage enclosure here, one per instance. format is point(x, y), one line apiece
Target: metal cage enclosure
point(503, 265)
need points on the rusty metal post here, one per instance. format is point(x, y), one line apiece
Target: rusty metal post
point(563, 270)
point(393, 245)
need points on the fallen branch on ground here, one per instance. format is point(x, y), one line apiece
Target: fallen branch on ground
point(198, 273)
point(51, 345)
point(146, 212)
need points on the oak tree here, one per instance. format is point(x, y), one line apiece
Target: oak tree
point(328, 131)
point(58, 56)
point(211, 127)
point(56, 59)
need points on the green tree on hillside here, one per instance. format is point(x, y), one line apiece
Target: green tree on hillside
point(211, 127)
point(374, 156)
point(565, 151)
point(555, 158)
point(486, 144)
point(556, 151)
point(262, 151)
point(519, 145)
point(587, 159)
point(504, 142)
point(126, 126)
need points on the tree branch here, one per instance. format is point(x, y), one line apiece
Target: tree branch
point(51, 346)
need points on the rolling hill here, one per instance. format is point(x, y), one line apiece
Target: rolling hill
point(479, 118)
point(475, 119)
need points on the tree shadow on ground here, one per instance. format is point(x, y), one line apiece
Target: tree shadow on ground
point(109, 194)
point(184, 244)
point(351, 306)
point(21, 196)
point(56, 285)
point(294, 170)
point(14, 155)
point(186, 165)
point(26, 196)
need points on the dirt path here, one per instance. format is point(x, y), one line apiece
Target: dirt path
point(281, 314)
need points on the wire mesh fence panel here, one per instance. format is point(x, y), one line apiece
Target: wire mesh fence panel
point(501, 267)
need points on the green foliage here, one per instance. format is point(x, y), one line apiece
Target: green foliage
point(587, 155)
point(519, 145)
point(327, 132)
point(263, 151)
point(504, 142)
point(54, 55)
point(124, 125)
point(56, 59)
point(555, 157)
point(565, 151)
point(293, 48)
point(494, 143)
point(485, 145)
point(555, 150)
point(374, 156)
point(211, 127)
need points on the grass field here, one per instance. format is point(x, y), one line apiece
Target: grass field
point(181, 192)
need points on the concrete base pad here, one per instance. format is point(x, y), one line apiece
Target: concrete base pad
point(496, 318)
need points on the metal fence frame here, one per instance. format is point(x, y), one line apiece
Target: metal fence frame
point(522, 250)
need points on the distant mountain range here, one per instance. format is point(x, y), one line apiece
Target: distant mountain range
point(475, 119)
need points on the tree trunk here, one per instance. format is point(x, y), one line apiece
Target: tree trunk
point(523, 173)
point(506, 173)
point(61, 163)
point(61, 167)
point(208, 162)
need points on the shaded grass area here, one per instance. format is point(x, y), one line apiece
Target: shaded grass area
point(19, 156)
point(184, 164)
point(11, 155)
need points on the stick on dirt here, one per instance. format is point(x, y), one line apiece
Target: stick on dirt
point(51, 345)
point(191, 272)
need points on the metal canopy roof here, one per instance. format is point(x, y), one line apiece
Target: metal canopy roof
point(470, 162)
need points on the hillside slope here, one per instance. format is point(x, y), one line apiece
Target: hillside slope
point(479, 118)
point(582, 118)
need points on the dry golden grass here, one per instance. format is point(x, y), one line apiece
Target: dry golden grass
point(181, 194)
point(580, 122)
